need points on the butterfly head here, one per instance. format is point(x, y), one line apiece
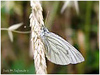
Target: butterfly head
point(44, 31)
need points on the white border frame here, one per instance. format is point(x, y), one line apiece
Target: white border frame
point(49, 0)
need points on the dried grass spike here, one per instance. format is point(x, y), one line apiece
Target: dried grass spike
point(36, 22)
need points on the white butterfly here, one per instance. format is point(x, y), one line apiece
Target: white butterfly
point(58, 50)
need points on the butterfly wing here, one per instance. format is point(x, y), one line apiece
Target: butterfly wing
point(60, 51)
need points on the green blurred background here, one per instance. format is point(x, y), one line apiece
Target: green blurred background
point(81, 30)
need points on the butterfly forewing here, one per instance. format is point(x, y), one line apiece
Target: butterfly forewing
point(59, 51)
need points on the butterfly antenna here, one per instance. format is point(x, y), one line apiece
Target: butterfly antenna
point(46, 18)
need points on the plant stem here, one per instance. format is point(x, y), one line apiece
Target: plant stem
point(88, 24)
point(25, 32)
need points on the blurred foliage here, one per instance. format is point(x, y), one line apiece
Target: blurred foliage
point(81, 30)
